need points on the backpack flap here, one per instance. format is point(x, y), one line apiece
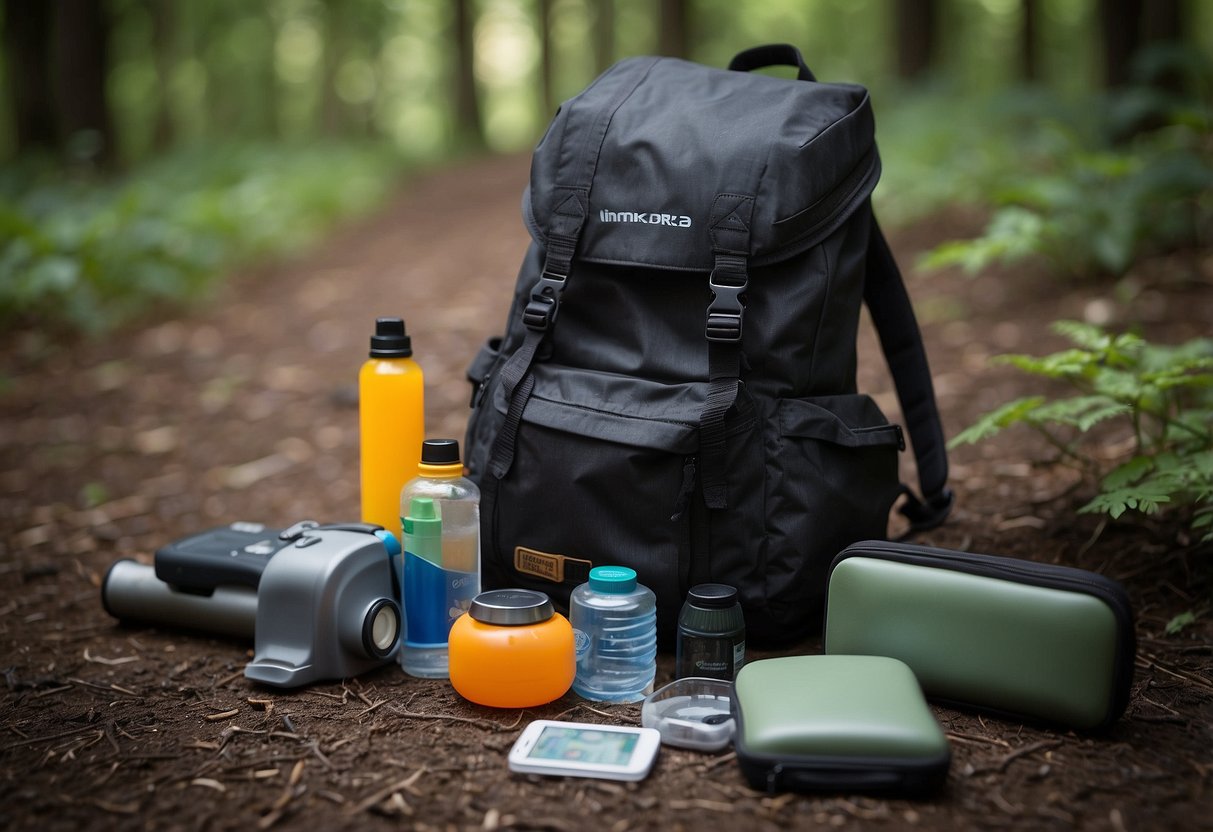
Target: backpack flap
point(805, 151)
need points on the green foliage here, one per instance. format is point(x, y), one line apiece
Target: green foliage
point(932, 158)
point(92, 254)
point(94, 494)
point(1177, 624)
point(1087, 204)
point(1097, 211)
point(1163, 393)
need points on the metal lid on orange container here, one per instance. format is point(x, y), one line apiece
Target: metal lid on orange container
point(511, 607)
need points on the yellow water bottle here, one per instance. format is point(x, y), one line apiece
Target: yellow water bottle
point(391, 419)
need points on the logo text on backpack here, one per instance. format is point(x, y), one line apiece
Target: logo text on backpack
point(645, 218)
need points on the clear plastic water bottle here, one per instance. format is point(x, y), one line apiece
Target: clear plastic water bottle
point(440, 515)
point(615, 630)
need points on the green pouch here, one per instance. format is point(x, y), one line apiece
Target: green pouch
point(1030, 641)
point(837, 723)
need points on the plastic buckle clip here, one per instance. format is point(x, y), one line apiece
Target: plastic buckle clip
point(540, 312)
point(726, 311)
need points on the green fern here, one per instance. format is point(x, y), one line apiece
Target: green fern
point(1164, 394)
point(996, 420)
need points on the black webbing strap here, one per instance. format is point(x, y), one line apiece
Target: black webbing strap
point(503, 448)
point(893, 316)
point(539, 315)
point(571, 205)
point(730, 230)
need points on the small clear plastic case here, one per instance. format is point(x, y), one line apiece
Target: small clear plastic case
point(694, 712)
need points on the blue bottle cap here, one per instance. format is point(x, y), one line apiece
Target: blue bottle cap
point(612, 579)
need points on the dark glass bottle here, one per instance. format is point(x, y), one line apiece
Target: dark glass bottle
point(711, 633)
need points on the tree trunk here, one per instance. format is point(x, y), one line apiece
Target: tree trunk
point(82, 56)
point(1120, 33)
point(164, 46)
point(546, 67)
point(1163, 21)
point(467, 101)
point(27, 38)
point(672, 39)
point(604, 34)
point(268, 78)
point(1029, 53)
point(915, 38)
point(332, 109)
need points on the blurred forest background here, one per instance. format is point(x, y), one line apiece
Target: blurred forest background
point(149, 146)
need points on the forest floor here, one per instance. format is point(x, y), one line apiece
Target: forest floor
point(245, 409)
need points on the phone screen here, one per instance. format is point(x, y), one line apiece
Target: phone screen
point(612, 748)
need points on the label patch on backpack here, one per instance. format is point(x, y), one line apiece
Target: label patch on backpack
point(547, 566)
point(645, 218)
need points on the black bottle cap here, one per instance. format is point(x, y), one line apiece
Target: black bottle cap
point(390, 340)
point(712, 596)
point(440, 452)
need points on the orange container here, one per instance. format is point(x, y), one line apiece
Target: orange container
point(511, 649)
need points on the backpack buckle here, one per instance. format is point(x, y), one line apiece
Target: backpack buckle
point(726, 311)
point(540, 312)
point(724, 327)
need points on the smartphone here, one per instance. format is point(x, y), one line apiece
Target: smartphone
point(580, 749)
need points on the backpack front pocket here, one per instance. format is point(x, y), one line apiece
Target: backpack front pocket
point(602, 469)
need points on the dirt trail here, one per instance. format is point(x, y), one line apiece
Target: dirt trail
point(245, 409)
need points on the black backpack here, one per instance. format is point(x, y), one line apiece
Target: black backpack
point(675, 391)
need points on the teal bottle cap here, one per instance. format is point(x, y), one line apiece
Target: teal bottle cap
point(612, 579)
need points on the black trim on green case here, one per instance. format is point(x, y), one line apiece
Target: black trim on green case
point(1045, 575)
point(884, 776)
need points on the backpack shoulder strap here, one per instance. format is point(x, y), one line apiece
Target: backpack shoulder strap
point(885, 294)
point(570, 202)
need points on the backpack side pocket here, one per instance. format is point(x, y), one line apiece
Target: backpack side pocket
point(832, 482)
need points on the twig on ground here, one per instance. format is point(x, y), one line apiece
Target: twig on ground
point(1093, 539)
point(974, 739)
point(292, 790)
point(1001, 765)
point(48, 738)
point(377, 797)
point(486, 724)
point(111, 688)
point(370, 708)
point(228, 679)
point(131, 808)
point(1151, 662)
point(314, 747)
point(700, 803)
point(719, 761)
point(88, 657)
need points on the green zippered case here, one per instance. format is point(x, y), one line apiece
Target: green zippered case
point(837, 724)
point(1027, 641)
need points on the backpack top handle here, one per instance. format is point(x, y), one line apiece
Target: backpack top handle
point(772, 54)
